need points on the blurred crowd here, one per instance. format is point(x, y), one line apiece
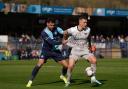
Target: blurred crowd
point(29, 47)
point(115, 39)
point(21, 47)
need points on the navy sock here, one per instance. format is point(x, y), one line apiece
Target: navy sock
point(34, 72)
point(64, 71)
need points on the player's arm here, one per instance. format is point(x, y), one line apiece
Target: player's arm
point(60, 30)
point(92, 48)
point(65, 36)
point(49, 40)
point(89, 41)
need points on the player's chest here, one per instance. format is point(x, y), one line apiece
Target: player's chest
point(55, 33)
point(80, 35)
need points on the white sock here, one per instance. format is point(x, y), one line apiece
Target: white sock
point(93, 77)
point(68, 75)
point(93, 66)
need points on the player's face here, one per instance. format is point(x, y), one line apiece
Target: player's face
point(51, 25)
point(83, 23)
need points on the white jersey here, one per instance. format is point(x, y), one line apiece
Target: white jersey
point(78, 41)
point(78, 38)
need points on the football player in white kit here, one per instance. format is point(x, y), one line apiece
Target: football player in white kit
point(78, 40)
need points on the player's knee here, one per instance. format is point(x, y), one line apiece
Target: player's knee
point(92, 60)
point(40, 62)
point(39, 65)
point(70, 66)
point(63, 63)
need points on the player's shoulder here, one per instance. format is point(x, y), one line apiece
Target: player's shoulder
point(73, 28)
point(88, 29)
point(58, 27)
point(60, 30)
point(44, 31)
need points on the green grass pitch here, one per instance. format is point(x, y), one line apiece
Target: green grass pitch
point(113, 73)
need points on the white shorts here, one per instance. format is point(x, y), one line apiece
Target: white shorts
point(77, 54)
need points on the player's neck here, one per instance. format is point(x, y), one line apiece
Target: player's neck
point(49, 29)
point(79, 28)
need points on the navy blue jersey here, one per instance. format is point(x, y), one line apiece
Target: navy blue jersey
point(49, 41)
point(48, 45)
point(57, 33)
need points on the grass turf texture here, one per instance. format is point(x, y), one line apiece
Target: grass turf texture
point(113, 73)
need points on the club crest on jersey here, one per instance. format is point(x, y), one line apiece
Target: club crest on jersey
point(85, 33)
point(55, 33)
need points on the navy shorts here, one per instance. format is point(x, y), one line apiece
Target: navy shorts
point(66, 51)
point(56, 55)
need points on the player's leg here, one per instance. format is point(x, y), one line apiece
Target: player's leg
point(92, 59)
point(58, 57)
point(65, 54)
point(64, 63)
point(72, 62)
point(36, 68)
point(64, 71)
point(35, 71)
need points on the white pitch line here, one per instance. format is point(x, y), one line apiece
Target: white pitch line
point(50, 66)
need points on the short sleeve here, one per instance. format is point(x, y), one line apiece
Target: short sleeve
point(70, 30)
point(60, 30)
point(88, 31)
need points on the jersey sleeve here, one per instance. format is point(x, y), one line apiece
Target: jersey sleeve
point(70, 30)
point(88, 31)
point(60, 30)
point(89, 37)
point(49, 40)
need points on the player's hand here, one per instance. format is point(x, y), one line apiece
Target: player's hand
point(92, 48)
